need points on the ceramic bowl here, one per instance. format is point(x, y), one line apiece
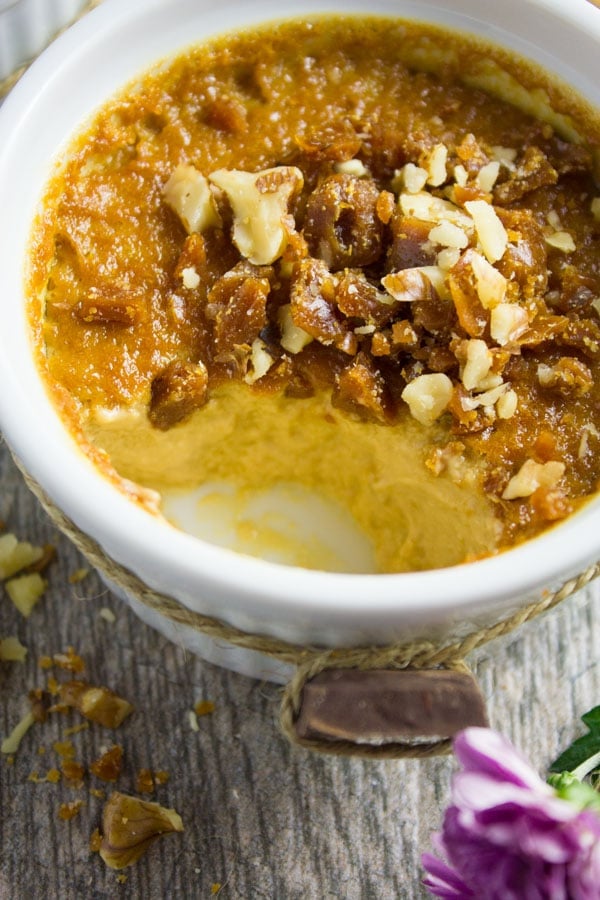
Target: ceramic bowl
point(84, 67)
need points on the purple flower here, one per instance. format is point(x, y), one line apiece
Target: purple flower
point(507, 835)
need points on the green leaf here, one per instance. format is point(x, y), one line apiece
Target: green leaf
point(583, 747)
point(592, 720)
point(576, 792)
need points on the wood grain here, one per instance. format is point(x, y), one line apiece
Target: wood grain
point(262, 819)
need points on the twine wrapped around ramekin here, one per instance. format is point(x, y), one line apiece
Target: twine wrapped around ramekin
point(310, 661)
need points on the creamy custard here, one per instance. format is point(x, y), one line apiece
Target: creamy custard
point(330, 295)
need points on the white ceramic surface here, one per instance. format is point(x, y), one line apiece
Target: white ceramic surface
point(65, 85)
point(26, 27)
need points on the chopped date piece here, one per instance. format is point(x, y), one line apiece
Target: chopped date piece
point(543, 329)
point(313, 305)
point(404, 334)
point(464, 193)
point(381, 344)
point(410, 245)
point(341, 225)
point(176, 392)
point(386, 205)
point(524, 261)
point(569, 377)
point(533, 171)
point(471, 155)
point(361, 388)
point(357, 298)
point(566, 157)
point(226, 114)
point(463, 289)
point(105, 306)
point(108, 766)
point(130, 825)
point(244, 316)
point(583, 335)
point(576, 294)
point(192, 256)
point(551, 504)
point(335, 144)
point(440, 359)
point(436, 316)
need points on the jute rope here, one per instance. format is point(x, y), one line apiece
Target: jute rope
point(309, 661)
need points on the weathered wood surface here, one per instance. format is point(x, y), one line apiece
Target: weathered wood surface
point(262, 819)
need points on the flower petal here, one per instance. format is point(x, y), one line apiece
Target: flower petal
point(484, 750)
point(443, 881)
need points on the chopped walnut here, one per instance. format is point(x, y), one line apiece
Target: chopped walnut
point(188, 194)
point(508, 321)
point(490, 230)
point(16, 555)
point(129, 827)
point(98, 704)
point(561, 240)
point(434, 163)
point(531, 476)
point(490, 283)
point(12, 650)
point(409, 285)
point(260, 202)
point(25, 591)
point(477, 365)
point(293, 338)
point(12, 742)
point(428, 396)
point(259, 362)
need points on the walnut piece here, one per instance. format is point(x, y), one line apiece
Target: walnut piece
point(130, 825)
point(25, 591)
point(98, 704)
point(12, 650)
point(260, 201)
point(16, 555)
point(188, 194)
point(428, 396)
point(490, 230)
point(531, 476)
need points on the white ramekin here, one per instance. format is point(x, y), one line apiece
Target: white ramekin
point(27, 26)
point(70, 80)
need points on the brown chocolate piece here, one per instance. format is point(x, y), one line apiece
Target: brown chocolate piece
point(387, 706)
